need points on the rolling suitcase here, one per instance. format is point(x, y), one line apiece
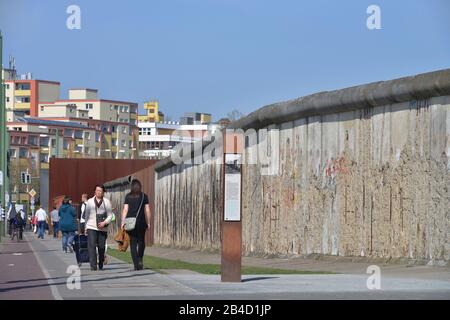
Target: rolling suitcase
point(80, 247)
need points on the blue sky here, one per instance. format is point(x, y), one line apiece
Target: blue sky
point(218, 55)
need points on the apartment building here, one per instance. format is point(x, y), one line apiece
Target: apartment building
point(153, 113)
point(114, 122)
point(157, 140)
point(34, 141)
point(191, 118)
point(23, 96)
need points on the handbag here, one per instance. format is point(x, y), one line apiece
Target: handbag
point(102, 216)
point(130, 223)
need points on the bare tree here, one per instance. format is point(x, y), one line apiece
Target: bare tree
point(235, 115)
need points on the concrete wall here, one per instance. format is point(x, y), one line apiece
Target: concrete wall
point(372, 182)
point(188, 206)
point(363, 171)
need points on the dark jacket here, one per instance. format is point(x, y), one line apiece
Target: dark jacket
point(67, 218)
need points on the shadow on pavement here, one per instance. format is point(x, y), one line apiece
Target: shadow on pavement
point(82, 281)
point(258, 279)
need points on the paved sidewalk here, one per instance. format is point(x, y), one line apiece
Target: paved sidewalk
point(45, 273)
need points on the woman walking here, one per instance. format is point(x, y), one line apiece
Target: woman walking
point(67, 224)
point(98, 215)
point(136, 210)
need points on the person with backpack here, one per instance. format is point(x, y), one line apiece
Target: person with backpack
point(67, 224)
point(18, 223)
point(10, 216)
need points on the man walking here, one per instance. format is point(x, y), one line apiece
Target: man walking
point(54, 215)
point(41, 217)
point(98, 215)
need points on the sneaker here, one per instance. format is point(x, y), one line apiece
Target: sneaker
point(70, 249)
point(100, 266)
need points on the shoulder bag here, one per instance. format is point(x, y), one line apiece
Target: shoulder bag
point(130, 223)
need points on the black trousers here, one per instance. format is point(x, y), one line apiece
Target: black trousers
point(137, 246)
point(96, 239)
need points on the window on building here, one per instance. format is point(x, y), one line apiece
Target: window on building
point(43, 141)
point(113, 155)
point(23, 153)
point(22, 86)
point(87, 150)
point(68, 133)
point(13, 153)
point(116, 107)
point(87, 135)
point(53, 143)
point(114, 142)
point(66, 144)
point(7, 86)
point(43, 157)
point(7, 99)
point(124, 130)
point(124, 143)
point(89, 106)
point(113, 128)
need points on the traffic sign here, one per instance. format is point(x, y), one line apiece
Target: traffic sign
point(32, 193)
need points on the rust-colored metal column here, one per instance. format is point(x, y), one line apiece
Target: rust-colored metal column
point(231, 218)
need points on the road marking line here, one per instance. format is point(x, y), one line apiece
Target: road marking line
point(50, 281)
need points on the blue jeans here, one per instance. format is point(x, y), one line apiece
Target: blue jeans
point(67, 239)
point(55, 229)
point(41, 226)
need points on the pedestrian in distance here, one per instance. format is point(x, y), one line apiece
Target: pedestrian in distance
point(67, 224)
point(135, 221)
point(41, 217)
point(98, 215)
point(54, 215)
point(84, 199)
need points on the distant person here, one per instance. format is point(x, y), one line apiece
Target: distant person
point(84, 199)
point(98, 214)
point(67, 224)
point(54, 215)
point(11, 216)
point(34, 223)
point(137, 206)
point(23, 217)
point(41, 217)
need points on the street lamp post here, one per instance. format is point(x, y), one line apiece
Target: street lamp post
point(4, 141)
